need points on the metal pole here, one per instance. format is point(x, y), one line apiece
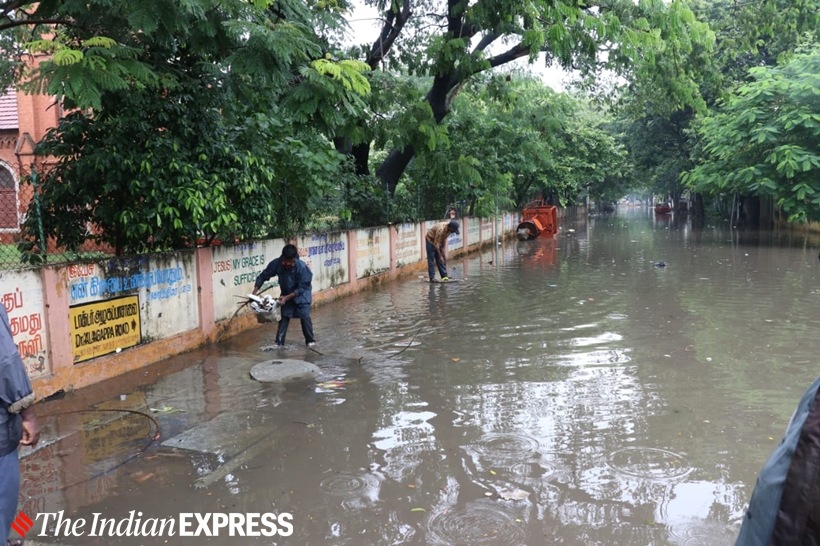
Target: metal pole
point(497, 234)
point(43, 243)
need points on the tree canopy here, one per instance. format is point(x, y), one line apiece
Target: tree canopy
point(765, 138)
point(452, 42)
point(663, 145)
point(205, 119)
point(192, 121)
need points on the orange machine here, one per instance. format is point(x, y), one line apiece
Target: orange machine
point(538, 220)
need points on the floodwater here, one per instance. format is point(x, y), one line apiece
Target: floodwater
point(621, 384)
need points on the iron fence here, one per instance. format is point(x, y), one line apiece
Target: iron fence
point(15, 200)
point(13, 197)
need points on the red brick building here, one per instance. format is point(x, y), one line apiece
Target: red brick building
point(24, 120)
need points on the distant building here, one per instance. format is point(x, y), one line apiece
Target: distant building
point(24, 120)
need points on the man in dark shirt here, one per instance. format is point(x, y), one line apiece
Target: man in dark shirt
point(18, 424)
point(295, 290)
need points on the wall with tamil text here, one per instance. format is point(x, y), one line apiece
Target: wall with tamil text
point(78, 324)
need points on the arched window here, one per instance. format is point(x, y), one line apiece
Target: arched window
point(9, 215)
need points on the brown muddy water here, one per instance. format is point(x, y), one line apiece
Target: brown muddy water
point(574, 391)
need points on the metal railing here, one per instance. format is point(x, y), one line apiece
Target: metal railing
point(15, 200)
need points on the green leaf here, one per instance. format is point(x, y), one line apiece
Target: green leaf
point(64, 57)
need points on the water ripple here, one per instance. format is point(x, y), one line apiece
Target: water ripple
point(479, 522)
point(506, 446)
point(649, 462)
point(348, 485)
point(701, 533)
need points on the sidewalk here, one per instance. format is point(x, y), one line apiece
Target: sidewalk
point(118, 441)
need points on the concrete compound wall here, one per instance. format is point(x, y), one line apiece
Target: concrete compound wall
point(78, 324)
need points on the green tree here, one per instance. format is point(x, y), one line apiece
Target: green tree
point(454, 41)
point(509, 139)
point(765, 139)
point(747, 34)
point(112, 45)
point(659, 151)
point(497, 148)
point(210, 172)
point(759, 33)
point(206, 121)
point(603, 167)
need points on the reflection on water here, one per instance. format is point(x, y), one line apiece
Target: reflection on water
point(571, 391)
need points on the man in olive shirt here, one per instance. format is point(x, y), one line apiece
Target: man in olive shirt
point(437, 248)
point(18, 424)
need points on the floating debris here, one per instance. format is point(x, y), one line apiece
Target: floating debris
point(165, 410)
point(513, 494)
point(335, 384)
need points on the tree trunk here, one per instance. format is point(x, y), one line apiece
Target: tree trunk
point(360, 154)
point(394, 165)
point(751, 210)
point(766, 213)
point(361, 158)
point(698, 212)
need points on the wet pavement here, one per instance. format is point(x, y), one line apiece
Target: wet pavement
point(621, 384)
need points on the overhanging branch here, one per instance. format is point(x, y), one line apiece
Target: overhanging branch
point(515, 52)
point(33, 22)
point(485, 42)
point(390, 31)
point(12, 5)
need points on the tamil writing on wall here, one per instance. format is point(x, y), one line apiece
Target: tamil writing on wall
point(326, 254)
point(372, 251)
point(103, 327)
point(22, 295)
point(486, 229)
point(408, 244)
point(472, 230)
point(163, 284)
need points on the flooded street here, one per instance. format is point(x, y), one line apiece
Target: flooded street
point(622, 384)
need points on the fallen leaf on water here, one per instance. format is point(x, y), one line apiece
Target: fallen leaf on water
point(411, 486)
point(143, 476)
point(513, 494)
point(455, 359)
point(164, 410)
point(335, 383)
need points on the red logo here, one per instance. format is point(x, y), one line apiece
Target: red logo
point(22, 524)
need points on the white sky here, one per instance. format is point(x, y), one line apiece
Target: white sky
point(365, 25)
